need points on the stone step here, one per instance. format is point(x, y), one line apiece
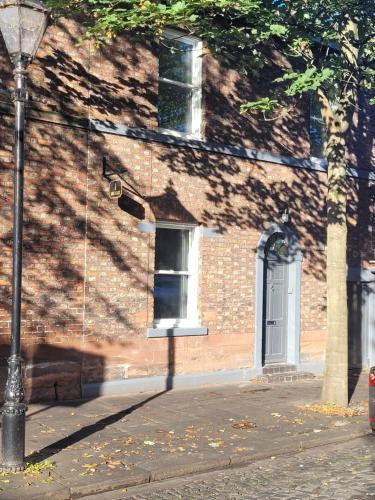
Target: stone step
point(294, 376)
point(278, 368)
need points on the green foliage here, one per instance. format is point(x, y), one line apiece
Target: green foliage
point(265, 105)
point(310, 80)
point(313, 34)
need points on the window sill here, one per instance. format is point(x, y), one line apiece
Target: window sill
point(177, 331)
point(181, 135)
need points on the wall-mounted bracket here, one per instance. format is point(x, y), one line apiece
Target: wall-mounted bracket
point(109, 171)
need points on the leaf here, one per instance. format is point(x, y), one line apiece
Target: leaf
point(335, 410)
point(265, 104)
point(340, 423)
point(277, 29)
point(298, 421)
point(244, 424)
point(149, 443)
point(307, 81)
point(216, 444)
point(275, 414)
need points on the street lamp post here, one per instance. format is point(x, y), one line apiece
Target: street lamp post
point(22, 24)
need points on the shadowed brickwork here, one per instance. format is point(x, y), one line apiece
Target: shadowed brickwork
point(88, 269)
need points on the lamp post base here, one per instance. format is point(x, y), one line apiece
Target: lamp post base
point(13, 437)
point(16, 468)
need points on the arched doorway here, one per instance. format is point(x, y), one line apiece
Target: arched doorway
point(278, 289)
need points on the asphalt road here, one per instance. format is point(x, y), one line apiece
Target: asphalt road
point(337, 472)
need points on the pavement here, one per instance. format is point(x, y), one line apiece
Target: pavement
point(82, 448)
point(342, 471)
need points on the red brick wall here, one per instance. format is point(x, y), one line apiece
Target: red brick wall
point(88, 270)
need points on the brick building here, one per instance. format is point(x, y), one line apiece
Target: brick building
point(210, 267)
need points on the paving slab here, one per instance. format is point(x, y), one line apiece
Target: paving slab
point(116, 442)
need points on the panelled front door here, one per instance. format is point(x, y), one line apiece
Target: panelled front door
point(275, 305)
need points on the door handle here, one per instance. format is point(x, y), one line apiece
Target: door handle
point(271, 322)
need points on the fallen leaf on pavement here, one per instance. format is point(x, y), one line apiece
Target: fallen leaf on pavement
point(332, 410)
point(216, 444)
point(244, 424)
point(298, 421)
point(341, 423)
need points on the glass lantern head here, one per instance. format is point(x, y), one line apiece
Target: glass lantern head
point(22, 24)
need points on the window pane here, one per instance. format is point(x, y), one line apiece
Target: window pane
point(317, 138)
point(170, 296)
point(174, 107)
point(171, 249)
point(317, 131)
point(175, 60)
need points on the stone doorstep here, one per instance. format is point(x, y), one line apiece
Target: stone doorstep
point(278, 368)
point(272, 378)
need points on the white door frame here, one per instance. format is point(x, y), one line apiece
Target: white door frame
point(294, 294)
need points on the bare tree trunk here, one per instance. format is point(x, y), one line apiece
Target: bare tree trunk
point(335, 386)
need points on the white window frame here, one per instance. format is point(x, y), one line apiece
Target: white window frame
point(191, 319)
point(195, 86)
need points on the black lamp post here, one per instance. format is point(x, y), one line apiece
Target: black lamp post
point(22, 24)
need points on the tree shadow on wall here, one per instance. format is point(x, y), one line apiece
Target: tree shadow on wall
point(68, 214)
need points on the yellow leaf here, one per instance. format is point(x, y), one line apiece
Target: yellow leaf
point(298, 421)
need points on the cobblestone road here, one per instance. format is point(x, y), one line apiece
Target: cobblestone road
point(340, 472)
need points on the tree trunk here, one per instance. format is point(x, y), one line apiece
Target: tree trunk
point(335, 386)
